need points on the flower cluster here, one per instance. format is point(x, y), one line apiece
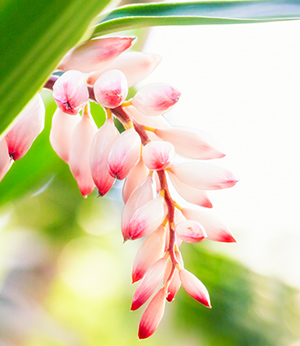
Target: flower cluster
point(102, 71)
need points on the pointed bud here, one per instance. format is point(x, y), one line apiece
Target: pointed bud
point(150, 251)
point(190, 231)
point(194, 287)
point(139, 197)
point(155, 99)
point(70, 92)
point(111, 89)
point(79, 158)
point(214, 228)
point(61, 132)
point(95, 54)
point(190, 193)
point(152, 315)
point(135, 177)
point(173, 287)
point(149, 283)
point(5, 159)
point(125, 154)
point(147, 218)
point(203, 175)
point(136, 66)
point(190, 143)
point(29, 124)
point(158, 155)
point(158, 121)
point(100, 149)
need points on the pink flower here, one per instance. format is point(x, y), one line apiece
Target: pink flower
point(158, 121)
point(29, 124)
point(155, 99)
point(70, 92)
point(173, 287)
point(111, 89)
point(151, 250)
point(189, 143)
point(79, 159)
point(5, 159)
point(152, 315)
point(100, 148)
point(149, 283)
point(61, 132)
point(214, 228)
point(124, 154)
point(190, 231)
point(203, 175)
point(95, 54)
point(194, 287)
point(158, 155)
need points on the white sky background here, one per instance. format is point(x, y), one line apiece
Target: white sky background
point(241, 84)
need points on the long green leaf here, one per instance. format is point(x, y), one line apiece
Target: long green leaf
point(197, 13)
point(34, 35)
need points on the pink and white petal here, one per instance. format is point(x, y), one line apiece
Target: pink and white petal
point(28, 125)
point(147, 218)
point(111, 89)
point(190, 143)
point(5, 159)
point(135, 177)
point(190, 231)
point(79, 159)
point(194, 287)
point(150, 251)
point(152, 315)
point(204, 175)
point(173, 287)
point(190, 193)
point(124, 154)
point(95, 54)
point(158, 121)
point(100, 149)
point(149, 283)
point(155, 99)
point(214, 227)
point(61, 132)
point(70, 92)
point(158, 155)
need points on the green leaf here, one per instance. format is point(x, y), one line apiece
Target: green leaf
point(197, 13)
point(34, 37)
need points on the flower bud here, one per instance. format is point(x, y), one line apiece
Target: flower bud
point(152, 315)
point(189, 143)
point(61, 132)
point(149, 283)
point(158, 155)
point(150, 251)
point(190, 231)
point(158, 121)
point(100, 148)
point(111, 89)
point(155, 99)
point(5, 159)
point(125, 154)
point(79, 158)
point(29, 124)
point(214, 228)
point(95, 54)
point(203, 175)
point(70, 92)
point(173, 287)
point(190, 193)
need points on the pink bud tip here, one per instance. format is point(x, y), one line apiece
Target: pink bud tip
point(190, 231)
point(155, 99)
point(5, 160)
point(158, 155)
point(70, 92)
point(111, 89)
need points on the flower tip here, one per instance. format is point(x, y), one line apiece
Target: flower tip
point(207, 204)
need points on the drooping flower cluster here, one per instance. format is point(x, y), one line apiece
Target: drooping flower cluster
point(145, 156)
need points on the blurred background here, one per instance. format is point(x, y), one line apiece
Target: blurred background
point(65, 274)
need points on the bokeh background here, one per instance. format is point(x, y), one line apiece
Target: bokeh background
point(65, 274)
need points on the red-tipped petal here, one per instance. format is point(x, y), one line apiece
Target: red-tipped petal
point(173, 287)
point(5, 160)
point(190, 231)
point(194, 287)
point(158, 155)
point(158, 121)
point(152, 315)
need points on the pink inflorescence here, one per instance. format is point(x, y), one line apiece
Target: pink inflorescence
point(144, 155)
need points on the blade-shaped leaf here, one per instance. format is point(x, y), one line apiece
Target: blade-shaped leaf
point(34, 37)
point(197, 13)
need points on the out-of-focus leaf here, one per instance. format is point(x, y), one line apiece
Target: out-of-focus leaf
point(34, 37)
point(197, 13)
